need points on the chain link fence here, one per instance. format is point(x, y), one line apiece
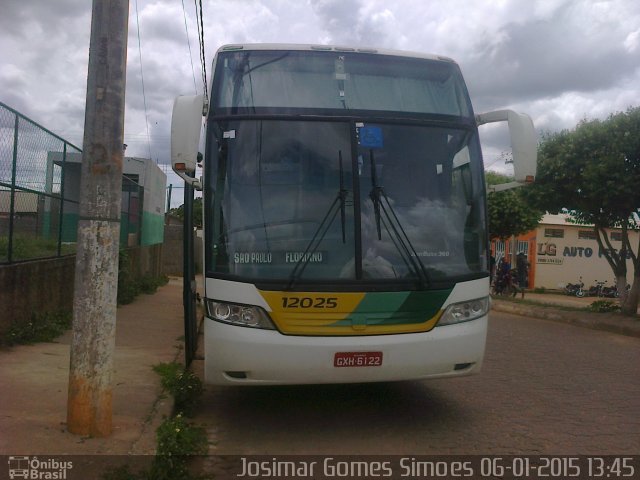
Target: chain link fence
point(40, 192)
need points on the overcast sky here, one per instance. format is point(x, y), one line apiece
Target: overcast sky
point(558, 60)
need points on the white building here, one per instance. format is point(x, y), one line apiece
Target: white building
point(143, 196)
point(560, 252)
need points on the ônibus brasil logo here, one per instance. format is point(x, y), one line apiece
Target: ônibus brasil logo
point(34, 468)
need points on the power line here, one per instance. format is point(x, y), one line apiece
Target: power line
point(503, 156)
point(144, 97)
point(186, 29)
point(203, 60)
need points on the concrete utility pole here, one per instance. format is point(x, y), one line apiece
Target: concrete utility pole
point(96, 279)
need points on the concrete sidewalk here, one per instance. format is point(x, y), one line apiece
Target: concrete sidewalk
point(34, 381)
point(545, 306)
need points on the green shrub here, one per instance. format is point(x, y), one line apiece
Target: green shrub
point(149, 284)
point(539, 290)
point(129, 286)
point(185, 387)
point(177, 440)
point(603, 306)
point(43, 327)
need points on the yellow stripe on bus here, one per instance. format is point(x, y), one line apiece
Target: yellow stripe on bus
point(314, 313)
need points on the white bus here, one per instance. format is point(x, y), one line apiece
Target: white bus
point(345, 214)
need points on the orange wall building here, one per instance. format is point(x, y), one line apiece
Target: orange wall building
point(560, 252)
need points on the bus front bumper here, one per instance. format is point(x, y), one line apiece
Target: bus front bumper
point(247, 356)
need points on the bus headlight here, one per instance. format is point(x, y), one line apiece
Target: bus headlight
point(465, 311)
point(241, 315)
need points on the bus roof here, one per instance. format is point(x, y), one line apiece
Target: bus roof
point(330, 48)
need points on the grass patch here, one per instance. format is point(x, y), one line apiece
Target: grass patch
point(177, 438)
point(177, 441)
point(599, 306)
point(535, 303)
point(604, 306)
point(43, 327)
point(185, 386)
point(26, 247)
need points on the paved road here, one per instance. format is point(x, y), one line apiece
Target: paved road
point(546, 388)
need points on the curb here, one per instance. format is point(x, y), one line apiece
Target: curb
point(162, 408)
point(609, 322)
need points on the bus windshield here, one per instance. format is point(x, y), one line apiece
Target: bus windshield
point(337, 200)
point(258, 80)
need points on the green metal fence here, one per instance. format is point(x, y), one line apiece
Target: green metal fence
point(40, 192)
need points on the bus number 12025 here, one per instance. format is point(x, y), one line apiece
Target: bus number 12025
point(309, 302)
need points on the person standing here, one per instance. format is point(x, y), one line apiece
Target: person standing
point(522, 265)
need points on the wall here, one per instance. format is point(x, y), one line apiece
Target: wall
point(146, 260)
point(47, 285)
point(146, 230)
point(155, 182)
point(559, 261)
point(507, 250)
point(173, 252)
point(35, 286)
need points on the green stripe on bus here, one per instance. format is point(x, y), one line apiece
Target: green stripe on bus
point(396, 308)
point(424, 304)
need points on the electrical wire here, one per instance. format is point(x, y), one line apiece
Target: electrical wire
point(186, 29)
point(503, 156)
point(203, 60)
point(144, 97)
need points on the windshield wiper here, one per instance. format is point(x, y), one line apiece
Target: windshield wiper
point(399, 237)
point(338, 205)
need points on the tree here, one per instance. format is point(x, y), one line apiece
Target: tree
point(593, 173)
point(197, 212)
point(509, 211)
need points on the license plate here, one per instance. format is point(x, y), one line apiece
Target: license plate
point(357, 359)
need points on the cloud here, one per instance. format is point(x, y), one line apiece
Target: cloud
point(358, 23)
point(558, 60)
point(576, 49)
point(632, 42)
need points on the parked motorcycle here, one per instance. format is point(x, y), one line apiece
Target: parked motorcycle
point(610, 292)
point(595, 290)
point(575, 289)
point(613, 292)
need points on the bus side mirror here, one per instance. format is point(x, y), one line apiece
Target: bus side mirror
point(186, 123)
point(523, 144)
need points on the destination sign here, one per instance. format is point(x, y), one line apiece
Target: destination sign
point(262, 257)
